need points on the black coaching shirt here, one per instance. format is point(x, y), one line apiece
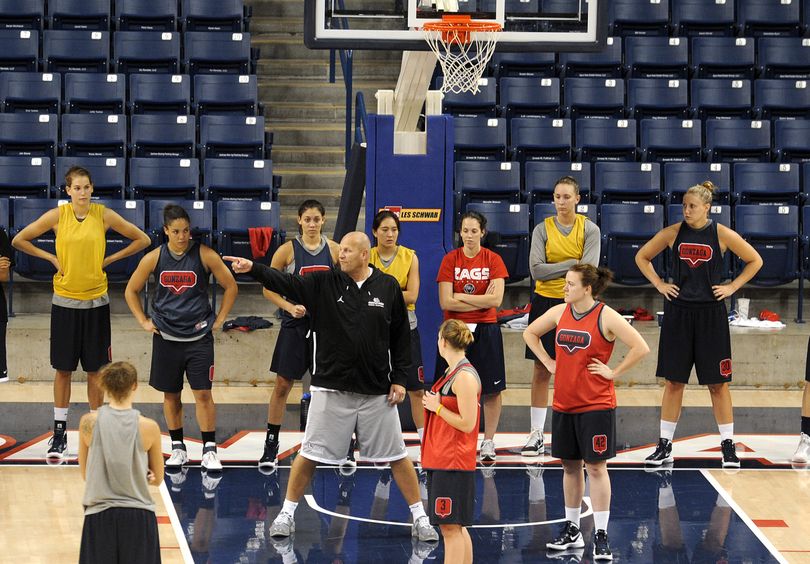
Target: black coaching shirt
point(697, 263)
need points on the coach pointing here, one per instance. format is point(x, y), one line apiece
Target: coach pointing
point(361, 338)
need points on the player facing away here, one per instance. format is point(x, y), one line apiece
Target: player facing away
point(181, 325)
point(119, 456)
point(558, 243)
point(583, 419)
point(471, 283)
point(802, 454)
point(451, 435)
point(80, 308)
point(695, 330)
point(309, 252)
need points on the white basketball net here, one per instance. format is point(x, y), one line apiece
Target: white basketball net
point(463, 60)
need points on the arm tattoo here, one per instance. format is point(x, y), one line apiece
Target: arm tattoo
point(87, 425)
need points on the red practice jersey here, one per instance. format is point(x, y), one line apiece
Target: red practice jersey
point(472, 276)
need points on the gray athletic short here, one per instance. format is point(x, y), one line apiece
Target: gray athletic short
point(334, 416)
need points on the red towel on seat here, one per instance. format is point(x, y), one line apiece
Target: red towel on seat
point(260, 238)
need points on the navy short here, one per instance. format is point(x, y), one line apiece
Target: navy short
point(416, 373)
point(588, 436)
point(80, 335)
point(451, 497)
point(120, 534)
point(540, 305)
point(695, 335)
point(291, 357)
point(486, 355)
point(172, 359)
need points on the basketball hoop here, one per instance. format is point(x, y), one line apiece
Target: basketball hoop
point(464, 47)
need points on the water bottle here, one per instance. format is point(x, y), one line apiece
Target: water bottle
point(305, 409)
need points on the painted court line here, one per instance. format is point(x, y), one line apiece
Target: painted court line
point(185, 551)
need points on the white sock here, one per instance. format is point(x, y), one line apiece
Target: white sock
point(421, 432)
point(289, 507)
point(60, 413)
point(600, 520)
point(726, 431)
point(537, 489)
point(666, 498)
point(572, 514)
point(668, 430)
point(417, 511)
point(382, 491)
point(538, 416)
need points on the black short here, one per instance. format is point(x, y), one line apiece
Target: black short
point(291, 357)
point(451, 497)
point(588, 436)
point(416, 373)
point(80, 335)
point(172, 359)
point(540, 305)
point(486, 355)
point(695, 335)
point(120, 534)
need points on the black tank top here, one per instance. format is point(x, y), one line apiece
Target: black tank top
point(305, 262)
point(697, 263)
point(181, 306)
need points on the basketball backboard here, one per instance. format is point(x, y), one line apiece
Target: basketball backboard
point(528, 25)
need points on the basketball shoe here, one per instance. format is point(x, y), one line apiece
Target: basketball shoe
point(179, 456)
point(569, 537)
point(210, 459)
point(802, 454)
point(534, 446)
point(662, 454)
point(269, 457)
point(601, 546)
point(57, 446)
point(730, 459)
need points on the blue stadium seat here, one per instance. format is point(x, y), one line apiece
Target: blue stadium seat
point(768, 18)
point(25, 177)
point(523, 64)
point(238, 179)
point(75, 51)
point(480, 139)
point(487, 182)
point(791, 140)
point(772, 183)
point(529, 96)
point(638, 17)
point(542, 176)
point(22, 14)
point(699, 17)
point(94, 135)
point(5, 215)
point(626, 183)
point(605, 139)
point(85, 15)
point(721, 98)
point(657, 98)
point(535, 138)
point(774, 232)
point(95, 93)
point(679, 177)
point(30, 92)
point(783, 57)
point(723, 57)
point(593, 97)
point(19, 50)
point(542, 211)
point(235, 217)
point(29, 135)
point(217, 52)
point(775, 99)
point(164, 178)
point(625, 229)
point(508, 235)
point(204, 15)
point(232, 137)
point(606, 63)
point(467, 104)
point(656, 57)
point(666, 140)
point(805, 240)
point(163, 135)
point(159, 93)
point(200, 212)
point(25, 211)
point(146, 15)
point(134, 211)
point(226, 94)
point(738, 140)
point(109, 175)
point(146, 51)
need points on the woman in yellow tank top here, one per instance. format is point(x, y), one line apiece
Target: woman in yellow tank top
point(401, 263)
point(80, 309)
point(558, 243)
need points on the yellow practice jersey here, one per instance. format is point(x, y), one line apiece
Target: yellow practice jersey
point(80, 248)
point(398, 268)
point(561, 247)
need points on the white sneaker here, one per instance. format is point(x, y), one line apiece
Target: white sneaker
point(210, 461)
point(423, 531)
point(488, 450)
point(178, 458)
point(802, 454)
point(3, 377)
point(534, 446)
point(283, 525)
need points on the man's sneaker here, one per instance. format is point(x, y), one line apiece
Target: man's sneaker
point(177, 476)
point(802, 454)
point(179, 456)
point(730, 459)
point(488, 450)
point(210, 459)
point(57, 446)
point(662, 454)
point(283, 525)
point(569, 537)
point(423, 531)
point(210, 482)
point(534, 446)
point(601, 546)
point(269, 458)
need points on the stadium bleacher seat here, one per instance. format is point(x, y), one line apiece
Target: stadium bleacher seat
point(486, 181)
point(664, 140)
point(94, 135)
point(25, 177)
point(222, 15)
point(631, 17)
point(480, 139)
point(33, 135)
point(606, 63)
point(238, 179)
point(542, 211)
point(22, 14)
point(217, 52)
point(721, 98)
point(163, 135)
point(232, 136)
point(784, 57)
point(593, 97)
point(25, 211)
point(791, 140)
point(19, 50)
point(529, 96)
point(542, 176)
point(159, 93)
point(109, 175)
point(679, 177)
point(95, 93)
point(774, 232)
point(145, 15)
point(134, 211)
point(656, 57)
point(540, 139)
point(164, 178)
point(467, 104)
point(226, 94)
point(30, 92)
point(699, 17)
point(768, 18)
point(723, 57)
point(233, 220)
point(507, 235)
point(657, 98)
point(66, 50)
point(605, 139)
point(772, 183)
point(625, 229)
point(85, 15)
point(523, 64)
point(774, 99)
point(737, 140)
point(146, 51)
point(200, 213)
point(622, 182)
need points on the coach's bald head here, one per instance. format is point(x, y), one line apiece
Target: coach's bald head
point(354, 252)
